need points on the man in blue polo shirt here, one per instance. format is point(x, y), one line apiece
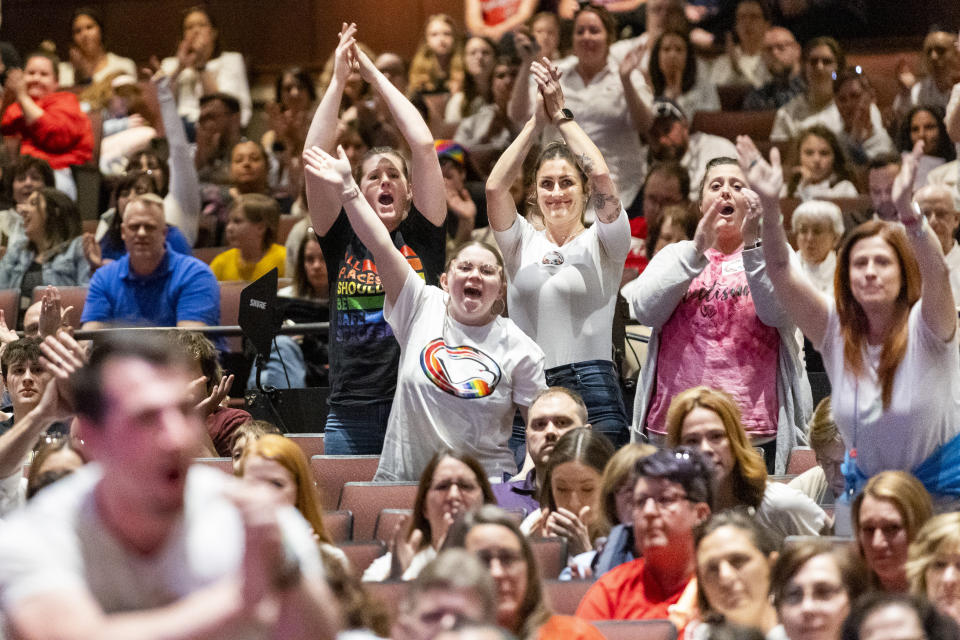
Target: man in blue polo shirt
point(151, 285)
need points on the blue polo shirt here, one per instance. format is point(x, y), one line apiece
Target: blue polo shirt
point(181, 288)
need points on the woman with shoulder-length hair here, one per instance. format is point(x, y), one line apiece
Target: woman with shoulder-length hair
point(814, 583)
point(298, 485)
point(201, 67)
point(889, 347)
point(674, 74)
point(451, 484)
point(50, 248)
point(887, 515)
point(522, 609)
point(933, 563)
point(709, 420)
point(734, 558)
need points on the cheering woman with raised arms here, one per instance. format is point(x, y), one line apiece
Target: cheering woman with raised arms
point(564, 278)
point(464, 370)
point(889, 347)
point(411, 207)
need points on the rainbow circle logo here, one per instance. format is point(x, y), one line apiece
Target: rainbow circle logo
point(462, 371)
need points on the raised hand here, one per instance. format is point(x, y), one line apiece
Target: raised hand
point(92, 251)
point(265, 559)
point(540, 115)
point(902, 193)
point(207, 404)
point(526, 46)
point(15, 84)
point(633, 59)
point(62, 356)
point(364, 64)
point(7, 335)
point(52, 316)
point(905, 75)
point(765, 178)
point(547, 77)
point(750, 227)
point(343, 60)
point(186, 55)
point(334, 172)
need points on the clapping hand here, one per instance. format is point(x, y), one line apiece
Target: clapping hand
point(547, 77)
point(902, 192)
point(402, 548)
point(343, 57)
point(706, 234)
point(53, 317)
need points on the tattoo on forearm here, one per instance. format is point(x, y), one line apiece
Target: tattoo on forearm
point(601, 200)
point(585, 163)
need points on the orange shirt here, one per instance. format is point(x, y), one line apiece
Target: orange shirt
point(631, 593)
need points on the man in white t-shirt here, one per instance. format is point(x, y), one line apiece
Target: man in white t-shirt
point(134, 546)
point(940, 208)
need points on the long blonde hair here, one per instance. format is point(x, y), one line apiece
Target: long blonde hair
point(425, 71)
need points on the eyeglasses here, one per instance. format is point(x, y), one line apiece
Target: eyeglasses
point(486, 270)
point(508, 559)
point(664, 501)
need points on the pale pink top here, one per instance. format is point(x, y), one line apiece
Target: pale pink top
point(715, 338)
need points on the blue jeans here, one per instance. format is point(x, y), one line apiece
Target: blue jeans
point(285, 369)
point(598, 384)
point(356, 430)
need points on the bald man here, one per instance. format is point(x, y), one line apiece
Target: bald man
point(940, 208)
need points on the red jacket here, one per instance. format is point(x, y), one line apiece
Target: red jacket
point(62, 135)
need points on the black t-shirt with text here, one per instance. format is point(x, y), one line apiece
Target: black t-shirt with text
point(364, 354)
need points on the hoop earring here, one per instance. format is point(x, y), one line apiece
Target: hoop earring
point(499, 306)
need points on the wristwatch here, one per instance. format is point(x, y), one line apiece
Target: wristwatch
point(562, 116)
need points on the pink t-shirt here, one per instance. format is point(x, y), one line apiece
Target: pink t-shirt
point(715, 338)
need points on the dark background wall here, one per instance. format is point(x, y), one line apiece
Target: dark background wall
point(271, 33)
point(276, 33)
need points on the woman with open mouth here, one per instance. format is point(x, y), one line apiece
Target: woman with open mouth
point(563, 275)
point(716, 322)
point(412, 207)
point(464, 370)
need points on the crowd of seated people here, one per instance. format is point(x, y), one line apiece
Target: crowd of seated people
point(478, 223)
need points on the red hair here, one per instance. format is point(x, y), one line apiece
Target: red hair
point(854, 324)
